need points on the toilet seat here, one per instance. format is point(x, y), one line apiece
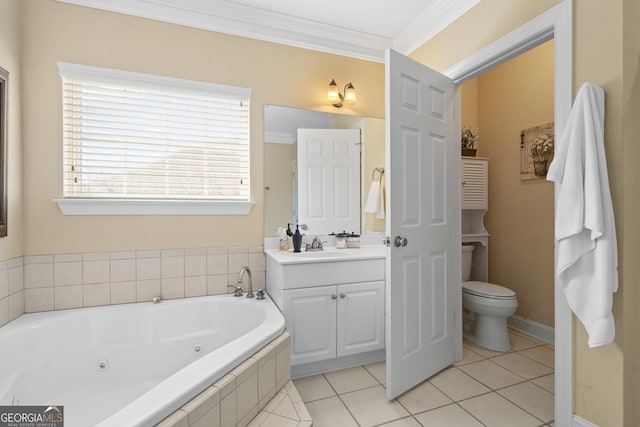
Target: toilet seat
point(488, 290)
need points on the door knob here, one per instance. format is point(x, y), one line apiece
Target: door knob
point(386, 241)
point(400, 241)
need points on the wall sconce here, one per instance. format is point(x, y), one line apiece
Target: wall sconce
point(335, 98)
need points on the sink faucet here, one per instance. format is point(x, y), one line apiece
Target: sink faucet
point(243, 270)
point(316, 245)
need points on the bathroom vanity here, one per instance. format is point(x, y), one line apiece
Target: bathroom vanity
point(333, 302)
point(475, 203)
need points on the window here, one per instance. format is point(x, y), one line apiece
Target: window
point(135, 137)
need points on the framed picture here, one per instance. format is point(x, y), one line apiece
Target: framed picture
point(4, 117)
point(536, 151)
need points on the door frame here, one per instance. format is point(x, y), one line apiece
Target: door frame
point(556, 23)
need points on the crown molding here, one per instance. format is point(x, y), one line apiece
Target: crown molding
point(251, 22)
point(429, 23)
point(245, 21)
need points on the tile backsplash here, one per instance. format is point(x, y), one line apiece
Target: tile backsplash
point(61, 281)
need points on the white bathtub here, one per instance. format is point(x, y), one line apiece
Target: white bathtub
point(131, 364)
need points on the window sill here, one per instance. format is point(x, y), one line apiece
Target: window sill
point(152, 207)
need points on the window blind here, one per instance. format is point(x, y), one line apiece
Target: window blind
point(132, 135)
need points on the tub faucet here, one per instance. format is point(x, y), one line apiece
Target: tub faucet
point(243, 270)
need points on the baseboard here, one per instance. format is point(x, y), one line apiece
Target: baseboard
point(581, 422)
point(323, 366)
point(532, 328)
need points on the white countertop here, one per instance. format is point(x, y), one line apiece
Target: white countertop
point(329, 254)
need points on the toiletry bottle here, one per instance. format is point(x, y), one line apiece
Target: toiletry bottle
point(297, 240)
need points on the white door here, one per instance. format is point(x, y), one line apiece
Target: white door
point(424, 332)
point(311, 322)
point(329, 180)
point(360, 318)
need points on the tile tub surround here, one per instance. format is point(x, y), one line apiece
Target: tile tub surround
point(62, 281)
point(11, 289)
point(238, 397)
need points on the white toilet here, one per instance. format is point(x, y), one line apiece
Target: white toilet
point(486, 308)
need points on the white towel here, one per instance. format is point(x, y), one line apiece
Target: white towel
point(587, 263)
point(375, 199)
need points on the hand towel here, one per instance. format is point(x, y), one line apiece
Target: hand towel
point(375, 199)
point(587, 257)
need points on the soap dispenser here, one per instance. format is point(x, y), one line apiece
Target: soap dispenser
point(297, 240)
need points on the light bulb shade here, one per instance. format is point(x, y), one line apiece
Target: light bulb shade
point(333, 95)
point(350, 95)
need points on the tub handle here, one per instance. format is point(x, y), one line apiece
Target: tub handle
point(260, 294)
point(237, 290)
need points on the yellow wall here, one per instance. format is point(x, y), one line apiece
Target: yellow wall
point(469, 106)
point(599, 372)
point(509, 98)
point(279, 75)
point(631, 197)
point(10, 45)
point(599, 36)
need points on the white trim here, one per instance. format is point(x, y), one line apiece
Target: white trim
point(532, 328)
point(556, 22)
point(429, 23)
point(104, 74)
point(533, 33)
point(581, 422)
point(262, 24)
point(77, 206)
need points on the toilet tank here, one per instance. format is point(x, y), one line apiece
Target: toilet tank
point(467, 253)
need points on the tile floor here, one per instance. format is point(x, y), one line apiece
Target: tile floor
point(284, 410)
point(486, 388)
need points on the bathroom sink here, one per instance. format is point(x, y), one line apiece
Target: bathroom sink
point(322, 254)
point(328, 267)
point(329, 254)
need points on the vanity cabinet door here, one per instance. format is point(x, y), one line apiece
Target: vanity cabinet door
point(310, 315)
point(360, 318)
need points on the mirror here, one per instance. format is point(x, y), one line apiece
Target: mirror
point(281, 126)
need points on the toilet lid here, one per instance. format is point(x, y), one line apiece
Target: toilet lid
point(489, 290)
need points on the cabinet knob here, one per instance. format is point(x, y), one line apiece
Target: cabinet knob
point(334, 296)
point(342, 295)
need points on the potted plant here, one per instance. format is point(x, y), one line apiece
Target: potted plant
point(541, 152)
point(468, 140)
